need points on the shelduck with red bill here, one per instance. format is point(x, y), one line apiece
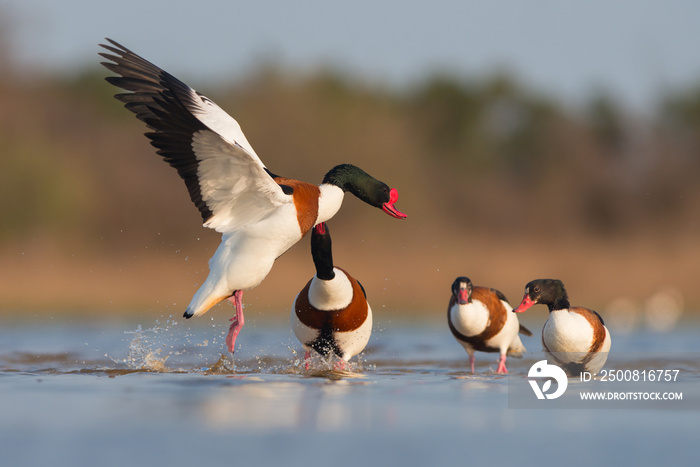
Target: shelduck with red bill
point(259, 214)
point(574, 338)
point(331, 314)
point(480, 320)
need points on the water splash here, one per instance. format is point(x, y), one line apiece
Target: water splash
point(170, 346)
point(142, 355)
point(331, 367)
point(184, 348)
point(223, 366)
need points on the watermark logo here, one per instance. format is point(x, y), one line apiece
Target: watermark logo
point(630, 381)
point(543, 370)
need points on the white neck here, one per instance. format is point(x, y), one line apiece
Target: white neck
point(334, 294)
point(329, 202)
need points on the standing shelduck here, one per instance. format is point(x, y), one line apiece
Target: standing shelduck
point(480, 319)
point(259, 214)
point(573, 338)
point(331, 314)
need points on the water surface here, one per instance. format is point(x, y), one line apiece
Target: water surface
point(162, 392)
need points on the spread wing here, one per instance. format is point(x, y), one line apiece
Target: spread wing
point(226, 179)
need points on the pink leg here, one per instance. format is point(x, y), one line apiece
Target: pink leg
point(237, 321)
point(502, 365)
point(307, 356)
point(471, 362)
point(341, 365)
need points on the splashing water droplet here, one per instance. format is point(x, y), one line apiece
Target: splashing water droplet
point(141, 356)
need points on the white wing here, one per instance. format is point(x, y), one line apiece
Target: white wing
point(226, 179)
point(220, 122)
point(237, 200)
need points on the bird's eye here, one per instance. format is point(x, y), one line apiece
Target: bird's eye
point(536, 289)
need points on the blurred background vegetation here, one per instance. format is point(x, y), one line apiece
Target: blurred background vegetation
point(500, 183)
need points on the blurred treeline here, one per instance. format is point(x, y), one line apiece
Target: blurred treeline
point(498, 181)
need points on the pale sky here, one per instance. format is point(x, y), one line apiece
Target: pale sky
point(635, 49)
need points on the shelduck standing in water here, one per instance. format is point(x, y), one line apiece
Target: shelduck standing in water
point(259, 214)
point(573, 338)
point(480, 319)
point(331, 314)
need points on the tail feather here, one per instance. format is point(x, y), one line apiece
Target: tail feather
point(525, 331)
point(200, 305)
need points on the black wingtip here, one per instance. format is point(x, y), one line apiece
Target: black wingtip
point(113, 44)
point(113, 47)
point(186, 316)
point(599, 317)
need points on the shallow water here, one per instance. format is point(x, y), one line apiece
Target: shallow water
point(162, 392)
